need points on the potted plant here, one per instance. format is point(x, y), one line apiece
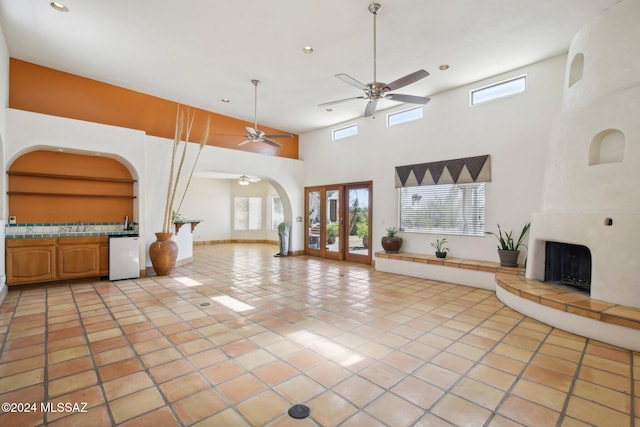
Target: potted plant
point(362, 231)
point(441, 250)
point(508, 248)
point(332, 232)
point(391, 242)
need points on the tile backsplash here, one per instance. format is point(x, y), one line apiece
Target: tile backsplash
point(66, 229)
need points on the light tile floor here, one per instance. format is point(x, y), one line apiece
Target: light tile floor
point(237, 337)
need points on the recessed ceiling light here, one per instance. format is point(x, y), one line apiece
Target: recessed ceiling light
point(225, 100)
point(444, 67)
point(59, 7)
point(307, 49)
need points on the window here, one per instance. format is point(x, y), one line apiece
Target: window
point(499, 90)
point(345, 132)
point(414, 113)
point(277, 212)
point(247, 213)
point(443, 209)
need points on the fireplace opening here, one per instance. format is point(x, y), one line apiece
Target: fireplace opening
point(568, 264)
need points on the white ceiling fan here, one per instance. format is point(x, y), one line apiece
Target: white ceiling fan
point(255, 135)
point(378, 90)
point(245, 180)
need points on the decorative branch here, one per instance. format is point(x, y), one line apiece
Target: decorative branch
point(203, 142)
point(174, 174)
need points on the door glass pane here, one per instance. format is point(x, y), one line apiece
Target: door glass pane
point(314, 219)
point(358, 227)
point(333, 218)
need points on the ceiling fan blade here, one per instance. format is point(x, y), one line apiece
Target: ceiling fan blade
point(326, 104)
point(410, 99)
point(407, 80)
point(371, 108)
point(351, 81)
point(244, 142)
point(252, 132)
point(270, 142)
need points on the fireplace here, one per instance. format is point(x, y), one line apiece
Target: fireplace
point(567, 264)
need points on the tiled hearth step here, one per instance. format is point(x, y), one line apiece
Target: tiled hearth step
point(576, 302)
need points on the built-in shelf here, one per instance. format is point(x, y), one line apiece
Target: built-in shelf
point(74, 177)
point(99, 196)
point(180, 223)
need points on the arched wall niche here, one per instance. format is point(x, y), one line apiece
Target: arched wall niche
point(607, 146)
point(55, 186)
point(577, 69)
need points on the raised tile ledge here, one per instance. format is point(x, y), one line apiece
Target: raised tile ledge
point(574, 302)
point(463, 263)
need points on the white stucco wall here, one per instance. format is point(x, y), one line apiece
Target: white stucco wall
point(209, 200)
point(513, 130)
point(580, 195)
point(4, 101)
point(148, 159)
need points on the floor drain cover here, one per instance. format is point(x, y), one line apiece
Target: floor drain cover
point(204, 304)
point(299, 411)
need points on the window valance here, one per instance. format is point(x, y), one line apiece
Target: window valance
point(456, 171)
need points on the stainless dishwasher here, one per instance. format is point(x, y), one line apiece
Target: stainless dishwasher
point(124, 257)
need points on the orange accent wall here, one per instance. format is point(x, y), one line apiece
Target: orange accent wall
point(56, 93)
point(41, 188)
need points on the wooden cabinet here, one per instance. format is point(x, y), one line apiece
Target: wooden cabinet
point(30, 260)
point(78, 257)
point(104, 256)
point(47, 259)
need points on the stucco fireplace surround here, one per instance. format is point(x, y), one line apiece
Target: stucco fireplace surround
point(591, 195)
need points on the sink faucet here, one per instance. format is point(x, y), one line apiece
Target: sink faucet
point(126, 222)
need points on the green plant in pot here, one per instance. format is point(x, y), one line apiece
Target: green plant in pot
point(332, 232)
point(362, 230)
point(508, 247)
point(391, 243)
point(441, 250)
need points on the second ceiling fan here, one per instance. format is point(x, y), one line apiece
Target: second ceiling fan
point(378, 90)
point(255, 135)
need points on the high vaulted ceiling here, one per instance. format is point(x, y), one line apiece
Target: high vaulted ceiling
point(199, 51)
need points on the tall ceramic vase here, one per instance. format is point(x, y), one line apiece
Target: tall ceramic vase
point(163, 253)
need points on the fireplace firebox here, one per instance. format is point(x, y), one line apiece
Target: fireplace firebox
point(568, 264)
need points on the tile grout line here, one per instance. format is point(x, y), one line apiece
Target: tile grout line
point(138, 357)
point(91, 353)
point(563, 414)
point(519, 377)
point(45, 380)
point(195, 368)
point(443, 350)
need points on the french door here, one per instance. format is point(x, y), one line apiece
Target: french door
point(338, 220)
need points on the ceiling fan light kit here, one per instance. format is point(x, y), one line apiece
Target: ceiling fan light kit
point(255, 135)
point(378, 90)
point(245, 180)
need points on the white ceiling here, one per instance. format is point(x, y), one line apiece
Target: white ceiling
point(199, 51)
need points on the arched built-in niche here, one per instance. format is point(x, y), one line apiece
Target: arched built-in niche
point(47, 186)
point(607, 147)
point(577, 68)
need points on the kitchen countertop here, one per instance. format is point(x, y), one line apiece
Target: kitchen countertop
point(124, 233)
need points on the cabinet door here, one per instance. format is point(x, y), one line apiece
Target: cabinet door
point(78, 260)
point(31, 264)
point(104, 259)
